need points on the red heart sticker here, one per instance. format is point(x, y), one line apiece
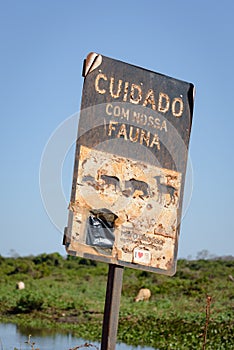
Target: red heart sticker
point(140, 254)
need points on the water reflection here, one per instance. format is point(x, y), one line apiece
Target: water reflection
point(14, 337)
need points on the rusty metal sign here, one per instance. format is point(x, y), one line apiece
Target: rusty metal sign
point(130, 165)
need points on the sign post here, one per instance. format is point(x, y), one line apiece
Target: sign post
point(129, 173)
point(112, 303)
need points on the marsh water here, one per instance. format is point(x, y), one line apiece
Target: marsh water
point(14, 337)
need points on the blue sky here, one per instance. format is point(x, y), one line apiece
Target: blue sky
point(43, 44)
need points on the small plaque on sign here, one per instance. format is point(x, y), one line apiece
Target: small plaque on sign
point(130, 165)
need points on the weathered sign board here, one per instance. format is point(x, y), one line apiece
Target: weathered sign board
point(130, 165)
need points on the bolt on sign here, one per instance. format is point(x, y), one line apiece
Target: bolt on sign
point(130, 165)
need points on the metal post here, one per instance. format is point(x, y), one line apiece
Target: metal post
point(112, 304)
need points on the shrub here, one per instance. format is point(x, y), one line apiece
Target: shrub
point(28, 302)
point(53, 259)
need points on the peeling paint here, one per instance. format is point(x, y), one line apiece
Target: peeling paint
point(141, 199)
point(92, 62)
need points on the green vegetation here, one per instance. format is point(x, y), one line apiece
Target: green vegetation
point(69, 294)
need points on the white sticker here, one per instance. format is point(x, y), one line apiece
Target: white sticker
point(141, 256)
